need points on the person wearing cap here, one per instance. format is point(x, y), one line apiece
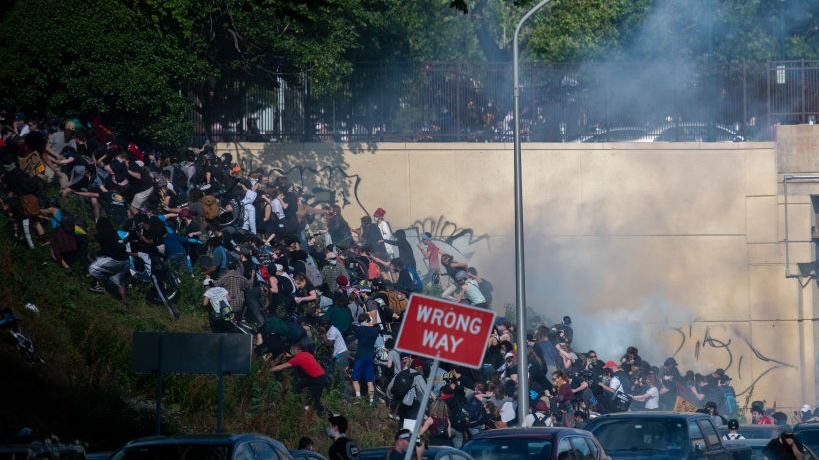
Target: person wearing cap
point(784, 447)
point(342, 447)
point(402, 441)
point(219, 300)
point(432, 254)
point(236, 284)
point(331, 272)
point(540, 415)
point(468, 291)
point(733, 433)
point(386, 232)
point(509, 369)
point(804, 415)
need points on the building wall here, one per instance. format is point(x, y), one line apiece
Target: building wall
point(678, 248)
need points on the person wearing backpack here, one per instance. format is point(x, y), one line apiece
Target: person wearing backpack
point(438, 424)
point(454, 395)
point(407, 388)
point(540, 417)
point(343, 448)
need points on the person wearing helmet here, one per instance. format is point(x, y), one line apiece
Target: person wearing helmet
point(733, 431)
point(219, 299)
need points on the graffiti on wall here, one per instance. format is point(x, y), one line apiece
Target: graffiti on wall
point(731, 350)
point(332, 185)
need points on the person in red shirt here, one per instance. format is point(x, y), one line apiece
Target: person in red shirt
point(758, 417)
point(310, 375)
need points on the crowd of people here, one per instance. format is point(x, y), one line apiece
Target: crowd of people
point(323, 300)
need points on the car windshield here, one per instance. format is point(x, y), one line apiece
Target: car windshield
point(642, 435)
point(174, 451)
point(508, 448)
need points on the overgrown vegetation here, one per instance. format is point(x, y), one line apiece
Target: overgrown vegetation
point(87, 390)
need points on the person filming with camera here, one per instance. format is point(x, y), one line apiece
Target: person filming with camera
point(785, 447)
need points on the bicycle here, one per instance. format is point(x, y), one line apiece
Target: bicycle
point(12, 324)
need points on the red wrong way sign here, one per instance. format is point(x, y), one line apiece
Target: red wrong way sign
point(450, 331)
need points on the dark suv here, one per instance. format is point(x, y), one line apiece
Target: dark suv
point(807, 434)
point(204, 447)
point(539, 443)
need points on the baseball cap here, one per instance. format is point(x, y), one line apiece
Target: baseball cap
point(331, 255)
point(426, 236)
point(416, 363)
point(403, 434)
point(541, 406)
point(610, 365)
point(509, 355)
point(185, 213)
point(379, 212)
point(208, 281)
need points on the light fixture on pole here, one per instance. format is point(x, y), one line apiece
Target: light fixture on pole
point(523, 365)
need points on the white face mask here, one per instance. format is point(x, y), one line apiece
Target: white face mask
point(333, 261)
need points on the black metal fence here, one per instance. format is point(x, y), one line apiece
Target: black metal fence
point(472, 102)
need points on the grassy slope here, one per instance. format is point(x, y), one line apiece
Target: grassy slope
point(87, 391)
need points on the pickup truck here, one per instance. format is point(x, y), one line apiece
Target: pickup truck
point(662, 435)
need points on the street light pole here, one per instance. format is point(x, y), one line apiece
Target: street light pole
point(523, 362)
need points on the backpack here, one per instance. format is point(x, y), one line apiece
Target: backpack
point(211, 207)
point(313, 274)
point(539, 421)
point(67, 221)
point(397, 301)
point(179, 179)
point(403, 383)
point(475, 411)
point(357, 270)
point(731, 408)
point(440, 428)
point(459, 417)
point(416, 280)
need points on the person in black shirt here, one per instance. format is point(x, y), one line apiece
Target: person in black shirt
point(111, 263)
point(785, 447)
point(342, 448)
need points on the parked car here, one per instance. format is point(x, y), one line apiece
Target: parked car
point(807, 434)
point(42, 451)
point(307, 455)
point(696, 132)
point(617, 134)
point(204, 447)
point(534, 443)
point(754, 431)
point(667, 435)
point(432, 453)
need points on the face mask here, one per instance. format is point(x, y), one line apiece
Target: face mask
point(333, 261)
point(331, 433)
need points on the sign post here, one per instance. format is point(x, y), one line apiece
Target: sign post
point(442, 330)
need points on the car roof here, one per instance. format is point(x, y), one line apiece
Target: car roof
point(303, 453)
point(201, 439)
point(431, 452)
point(808, 426)
point(543, 432)
point(651, 415)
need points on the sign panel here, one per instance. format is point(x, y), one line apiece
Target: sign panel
point(182, 353)
point(449, 331)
